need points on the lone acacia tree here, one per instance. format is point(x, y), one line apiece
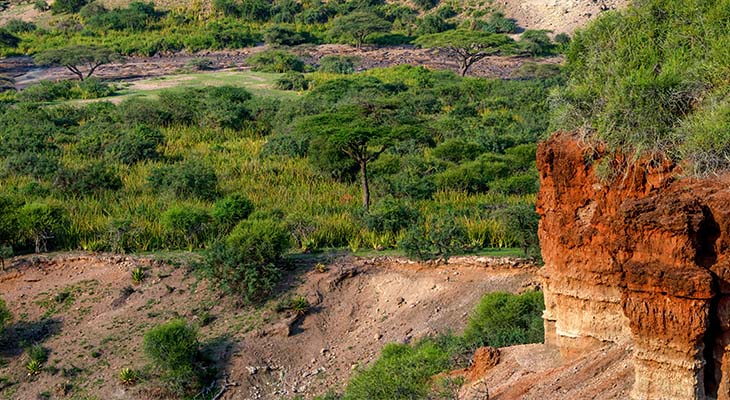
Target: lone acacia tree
point(362, 131)
point(76, 58)
point(358, 25)
point(468, 46)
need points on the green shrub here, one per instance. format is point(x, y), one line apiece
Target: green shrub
point(292, 81)
point(185, 222)
point(457, 150)
point(40, 5)
point(426, 4)
point(505, 319)
point(231, 210)
point(275, 61)
point(42, 224)
point(338, 64)
point(16, 25)
point(200, 64)
point(5, 315)
point(173, 349)
point(438, 237)
point(94, 88)
point(246, 263)
point(67, 6)
point(88, 179)
point(522, 221)
point(536, 43)
point(279, 35)
point(401, 372)
point(47, 91)
point(390, 215)
point(498, 23)
point(137, 144)
point(190, 178)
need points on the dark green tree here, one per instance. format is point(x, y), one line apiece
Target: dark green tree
point(358, 25)
point(468, 46)
point(77, 58)
point(363, 131)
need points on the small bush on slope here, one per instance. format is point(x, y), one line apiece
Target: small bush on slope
point(173, 349)
point(405, 372)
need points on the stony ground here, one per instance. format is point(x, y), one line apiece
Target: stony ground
point(86, 310)
point(25, 72)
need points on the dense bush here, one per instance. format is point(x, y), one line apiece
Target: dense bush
point(137, 16)
point(44, 225)
point(246, 263)
point(279, 35)
point(401, 372)
point(438, 237)
point(185, 222)
point(504, 319)
point(137, 144)
point(292, 81)
point(91, 178)
point(231, 210)
point(498, 23)
point(522, 220)
point(19, 26)
point(338, 64)
point(90, 88)
point(173, 349)
point(390, 215)
point(187, 179)
point(275, 61)
point(67, 6)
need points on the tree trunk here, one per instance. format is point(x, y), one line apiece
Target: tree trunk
point(365, 184)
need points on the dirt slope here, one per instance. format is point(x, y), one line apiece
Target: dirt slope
point(76, 306)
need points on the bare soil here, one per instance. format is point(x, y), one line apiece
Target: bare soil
point(25, 72)
point(88, 313)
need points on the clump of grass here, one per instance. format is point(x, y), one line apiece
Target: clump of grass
point(138, 275)
point(37, 357)
point(298, 304)
point(128, 377)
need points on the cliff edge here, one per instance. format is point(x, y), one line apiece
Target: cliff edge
point(640, 258)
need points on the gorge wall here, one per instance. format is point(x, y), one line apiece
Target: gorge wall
point(641, 259)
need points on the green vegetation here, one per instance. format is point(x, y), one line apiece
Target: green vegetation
point(653, 80)
point(439, 160)
point(467, 46)
point(74, 58)
point(173, 349)
point(142, 29)
point(5, 315)
point(406, 371)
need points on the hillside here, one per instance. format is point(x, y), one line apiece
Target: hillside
point(555, 15)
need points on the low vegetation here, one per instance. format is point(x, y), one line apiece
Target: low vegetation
point(653, 80)
point(406, 371)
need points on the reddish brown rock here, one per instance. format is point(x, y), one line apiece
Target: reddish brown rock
point(642, 258)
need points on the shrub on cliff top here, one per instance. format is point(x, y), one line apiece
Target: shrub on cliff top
point(641, 79)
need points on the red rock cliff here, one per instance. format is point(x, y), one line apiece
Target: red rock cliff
point(642, 259)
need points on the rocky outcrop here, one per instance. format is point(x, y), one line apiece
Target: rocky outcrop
point(640, 258)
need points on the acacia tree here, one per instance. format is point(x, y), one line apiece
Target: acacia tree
point(76, 58)
point(468, 46)
point(358, 25)
point(362, 131)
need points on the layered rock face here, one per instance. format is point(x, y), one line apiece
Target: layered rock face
point(641, 258)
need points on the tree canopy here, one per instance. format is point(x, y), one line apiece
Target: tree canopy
point(468, 46)
point(358, 25)
point(77, 58)
point(362, 131)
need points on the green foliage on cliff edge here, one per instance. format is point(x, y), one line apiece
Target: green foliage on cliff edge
point(654, 79)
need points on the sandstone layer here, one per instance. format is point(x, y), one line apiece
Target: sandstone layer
point(639, 256)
